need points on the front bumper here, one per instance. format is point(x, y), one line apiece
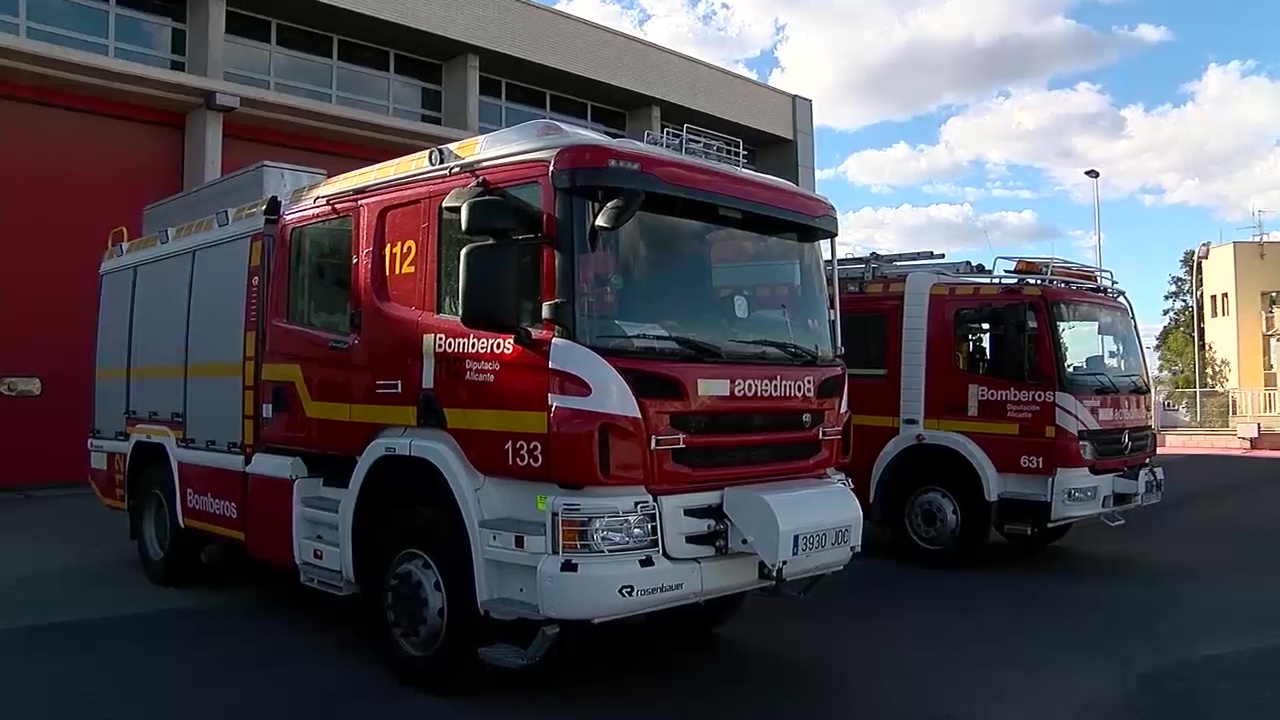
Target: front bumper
point(1077, 494)
point(782, 531)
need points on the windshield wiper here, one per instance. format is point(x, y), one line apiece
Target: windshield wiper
point(1114, 389)
point(795, 350)
point(700, 347)
point(1140, 384)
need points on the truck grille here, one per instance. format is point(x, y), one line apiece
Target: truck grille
point(1110, 443)
point(745, 423)
point(707, 458)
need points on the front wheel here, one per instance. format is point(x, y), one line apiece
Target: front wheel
point(940, 523)
point(425, 603)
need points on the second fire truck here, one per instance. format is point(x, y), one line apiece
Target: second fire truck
point(1015, 397)
point(539, 375)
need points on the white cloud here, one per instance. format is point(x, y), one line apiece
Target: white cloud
point(942, 227)
point(1218, 149)
point(994, 189)
point(872, 60)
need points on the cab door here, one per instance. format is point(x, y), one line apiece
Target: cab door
point(485, 389)
point(313, 341)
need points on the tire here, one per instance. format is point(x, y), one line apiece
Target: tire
point(169, 554)
point(1042, 537)
point(702, 618)
point(424, 583)
point(940, 523)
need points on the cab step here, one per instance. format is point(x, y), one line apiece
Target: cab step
point(510, 657)
point(510, 609)
point(1112, 519)
point(1024, 529)
point(325, 580)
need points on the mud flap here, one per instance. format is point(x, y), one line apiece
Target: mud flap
point(797, 528)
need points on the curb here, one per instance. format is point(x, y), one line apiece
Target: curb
point(45, 491)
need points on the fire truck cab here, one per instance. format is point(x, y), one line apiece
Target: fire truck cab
point(1015, 397)
point(539, 375)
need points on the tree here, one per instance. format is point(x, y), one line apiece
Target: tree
point(1174, 344)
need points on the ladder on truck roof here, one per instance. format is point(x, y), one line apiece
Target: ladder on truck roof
point(1005, 269)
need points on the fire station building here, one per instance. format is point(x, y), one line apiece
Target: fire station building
point(108, 105)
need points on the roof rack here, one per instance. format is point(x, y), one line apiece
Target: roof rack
point(701, 143)
point(1005, 269)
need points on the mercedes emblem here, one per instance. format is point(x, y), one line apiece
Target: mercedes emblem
point(807, 420)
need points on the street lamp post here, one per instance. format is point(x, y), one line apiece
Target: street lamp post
point(1202, 252)
point(1097, 213)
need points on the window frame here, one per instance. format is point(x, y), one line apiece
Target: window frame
point(291, 276)
point(109, 45)
point(1032, 368)
point(503, 104)
point(884, 317)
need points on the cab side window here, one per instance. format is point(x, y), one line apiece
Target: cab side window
point(320, 275)
point(451, 241)
point(865, 338)
point(985, 344)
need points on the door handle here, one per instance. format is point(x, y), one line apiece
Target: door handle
point(21, 387)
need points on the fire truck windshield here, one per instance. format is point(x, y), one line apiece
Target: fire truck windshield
point(1099, 349)
point(694, 281)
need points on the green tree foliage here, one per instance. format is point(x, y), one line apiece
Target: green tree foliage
point(1177, 338)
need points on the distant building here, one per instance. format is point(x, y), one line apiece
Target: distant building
point(1241, 285)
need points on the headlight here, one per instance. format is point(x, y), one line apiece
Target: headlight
point(1085, 494)
point(1087, 450)
point(582, 533)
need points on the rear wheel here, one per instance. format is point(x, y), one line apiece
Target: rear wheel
point(424, 601)
point(1040, 537)
point(170, 555)
point(940, 522)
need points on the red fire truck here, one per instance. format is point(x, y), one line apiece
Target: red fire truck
point(1015, 397)
point(538, 375)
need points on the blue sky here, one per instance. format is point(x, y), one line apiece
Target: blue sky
point(965, 125)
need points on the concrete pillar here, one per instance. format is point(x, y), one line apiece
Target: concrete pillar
point(792, 159)
point(206, 26)
point(642, 119)
point(461, 91)
point(802, 109)
point(202, 148)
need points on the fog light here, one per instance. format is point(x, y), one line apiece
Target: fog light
point(1085, 494)
point(1087, 451)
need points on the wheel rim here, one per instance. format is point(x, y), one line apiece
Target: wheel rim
point(155, 525)
point(416, 605)
point(933, 518)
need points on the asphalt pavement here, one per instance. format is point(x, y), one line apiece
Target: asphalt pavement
point(1175, 616)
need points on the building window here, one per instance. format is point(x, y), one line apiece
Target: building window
point(865, 337)
point(748, 152)
point(504, 103)
point(1226, 304)
point(450, 241)
point(320, 275)
point(1213, 306)
point(152, 32)
point(274, 55)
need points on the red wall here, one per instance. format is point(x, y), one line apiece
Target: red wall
point(68, 178)
point(243, 146)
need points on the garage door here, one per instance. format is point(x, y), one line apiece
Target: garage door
point(239, 152)
point(69, 177)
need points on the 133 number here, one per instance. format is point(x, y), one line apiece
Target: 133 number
point(399, 257)
point(524, 454)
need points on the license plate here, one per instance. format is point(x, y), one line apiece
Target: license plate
point(821, 540)
point(1151, 498)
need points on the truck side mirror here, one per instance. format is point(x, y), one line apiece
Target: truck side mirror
point(490, 216)
point(489, 287)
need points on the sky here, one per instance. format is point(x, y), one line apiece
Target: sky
point(965, 126)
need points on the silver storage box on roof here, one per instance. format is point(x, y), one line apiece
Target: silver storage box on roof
point(241, 187)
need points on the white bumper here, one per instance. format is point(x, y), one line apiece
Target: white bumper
point(780, 531)
point(1077, 493)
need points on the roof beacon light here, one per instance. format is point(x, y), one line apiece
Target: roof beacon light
point(1029, 267)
